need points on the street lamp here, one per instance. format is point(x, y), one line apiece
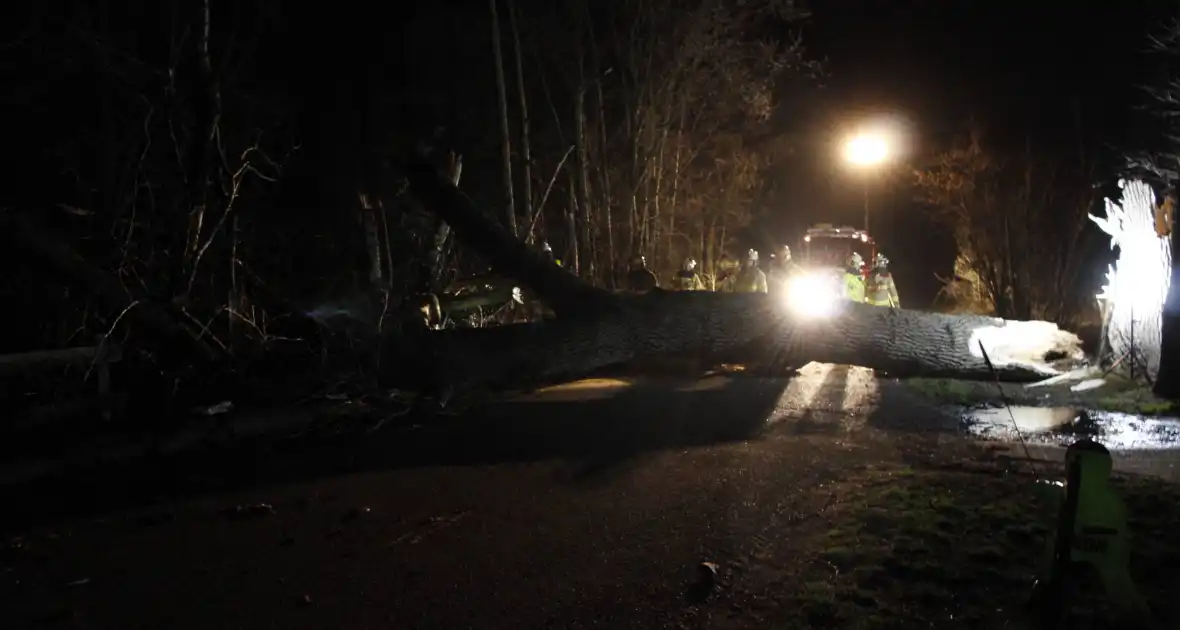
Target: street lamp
point(866, 151)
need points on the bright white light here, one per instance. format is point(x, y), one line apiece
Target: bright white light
point(811, 295)
point(866, 150)
point(1137, 284)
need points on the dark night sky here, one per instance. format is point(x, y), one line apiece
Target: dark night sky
point(1024, 70)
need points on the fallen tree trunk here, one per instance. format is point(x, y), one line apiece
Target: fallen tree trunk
point(454, 304)
point(564, 292)
point(596, 328)
point(711, 325)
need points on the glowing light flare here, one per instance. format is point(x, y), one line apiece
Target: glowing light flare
point(811, 295)
point(875, 141)
point(1137, 284)
point(866, 150)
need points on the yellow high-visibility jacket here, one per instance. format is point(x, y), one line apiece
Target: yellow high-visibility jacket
point(750, 280)
point(854, 287)
point(688, 281)
point(882, 291)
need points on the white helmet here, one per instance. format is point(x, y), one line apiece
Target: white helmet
point(856, 261)
point(752, 255)
point(545, 248)
point(881, 261)
point(689, 264)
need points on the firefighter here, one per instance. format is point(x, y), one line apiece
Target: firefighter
point(640, 279)
point(880, 289)
point(750, 279)
point(687, 278)
point(782, 269)
point(727, 270)
point(547, 253)
point(854, 282)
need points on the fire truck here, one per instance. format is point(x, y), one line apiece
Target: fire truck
point(819, 290)
point(827, 246)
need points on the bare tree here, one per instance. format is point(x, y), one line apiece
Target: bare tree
point(525, 145)
point(665, 98)
point(1160, 164)
point(1019, 223)
point(505, 128)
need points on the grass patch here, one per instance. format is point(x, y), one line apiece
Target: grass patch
point(1119, 394)
point(1126, 396)
point(959, 549)
point(949, 391)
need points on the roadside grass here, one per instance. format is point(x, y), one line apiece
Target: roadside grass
point(959, 549)
point(1127, 396)
point(950, 391)
point(1118, 394)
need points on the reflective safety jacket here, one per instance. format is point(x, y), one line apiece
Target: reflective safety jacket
point(881, 290)
point(688, 281)
point(854, 287)
point(750, 280)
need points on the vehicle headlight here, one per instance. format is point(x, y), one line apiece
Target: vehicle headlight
point(811, 295)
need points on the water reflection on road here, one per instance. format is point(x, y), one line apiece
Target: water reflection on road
point(841, 398)
point(1138, 444)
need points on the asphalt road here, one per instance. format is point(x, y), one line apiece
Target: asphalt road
point(584, 506)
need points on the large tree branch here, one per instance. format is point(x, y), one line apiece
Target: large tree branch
point(565, 293)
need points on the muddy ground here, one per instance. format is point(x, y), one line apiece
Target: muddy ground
point(830, 500)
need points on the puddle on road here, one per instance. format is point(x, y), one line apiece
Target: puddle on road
point(1147, 446)
point(574, 391)
point(1061, 426)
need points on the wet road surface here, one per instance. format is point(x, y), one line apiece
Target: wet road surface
point(582, 506)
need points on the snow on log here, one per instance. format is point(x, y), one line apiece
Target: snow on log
point(596, 328)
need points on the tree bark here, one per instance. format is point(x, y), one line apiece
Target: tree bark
point(1167, 380)
point(585, 218)
point(368, 215)
point(713, 325)
point(564, 292)
point(597, 328)
point(207, 114)
point(505, 131)
point(525, 145)
point(500, 295)
point(438, 245)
